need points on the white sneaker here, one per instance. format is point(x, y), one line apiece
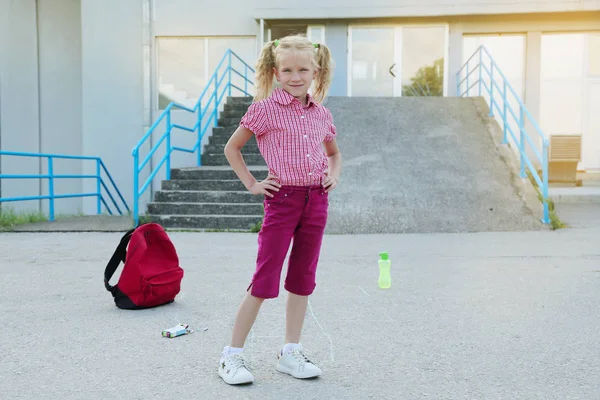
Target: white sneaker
point(234, 371)
point(297, 365)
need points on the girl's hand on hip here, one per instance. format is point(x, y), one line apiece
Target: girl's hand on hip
point(264, 187)
point(329, 183)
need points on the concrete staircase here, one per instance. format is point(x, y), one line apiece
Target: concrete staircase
point(212, 197)
point(229, 120)
point(413, 164)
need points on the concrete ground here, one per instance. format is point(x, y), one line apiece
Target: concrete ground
point(579, 215)
point(469, 316)
point(86, 223)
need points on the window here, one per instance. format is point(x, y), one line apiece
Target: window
point(185, 65)
point(423, 50)
point(316, 33)
point(508, 51)
point(561, 97)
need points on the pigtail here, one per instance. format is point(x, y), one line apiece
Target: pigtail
point(264, 71)
point(325, 66)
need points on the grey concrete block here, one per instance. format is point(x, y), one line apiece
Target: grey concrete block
point(214, 172)
point(229, 121)
point(219, 148)
point(242, 101)
point(172, 208)
point(216, 184)
point(222, 132)
point(220, 159)
point(187, 196)
point(201, 222)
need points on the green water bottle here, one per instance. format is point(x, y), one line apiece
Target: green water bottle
point(385, 280)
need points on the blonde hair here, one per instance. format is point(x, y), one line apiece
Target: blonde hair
point(321, 58)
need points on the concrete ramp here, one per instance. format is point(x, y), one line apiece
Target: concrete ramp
point(424, 164)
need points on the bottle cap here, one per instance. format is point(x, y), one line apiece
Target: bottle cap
point(384, 255)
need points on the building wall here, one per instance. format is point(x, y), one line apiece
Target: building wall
point(204, 17)
point(19, 112)
point(317, 9)
point(40, 94)
point(532, 28)
point(112, 88)
point(59, 24)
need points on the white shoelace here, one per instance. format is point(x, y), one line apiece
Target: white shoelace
point(236, 362)
point(300, 356)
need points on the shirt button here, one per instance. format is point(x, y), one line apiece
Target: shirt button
point(310, 173)
point(302, 116)
point(308, 155)
point(305, 136)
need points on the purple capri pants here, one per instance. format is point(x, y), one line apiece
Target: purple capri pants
point(298, 213)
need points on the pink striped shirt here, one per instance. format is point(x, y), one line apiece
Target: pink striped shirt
point(290, 137)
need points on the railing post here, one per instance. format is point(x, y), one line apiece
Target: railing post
point(467, 81)
point(229, 71)
point(504, 138)
point(51, 187)
point(245, 79)
point(522, 139)
point(98, 188)
point(199, 157)
point(545, 180)
point(216, 110)
point(458, 84)
point(491, 114)
point(480, 69)
point(136, 188)
point(168, 163)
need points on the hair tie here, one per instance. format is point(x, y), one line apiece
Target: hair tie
point(316, 45)
point(277, 41)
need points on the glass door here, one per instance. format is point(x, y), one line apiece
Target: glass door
point(386, 61)
point(373, 61)
point(423, 60)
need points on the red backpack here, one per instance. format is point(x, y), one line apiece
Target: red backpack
point(151, 275)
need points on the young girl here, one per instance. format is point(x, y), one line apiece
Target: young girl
point(296, 136)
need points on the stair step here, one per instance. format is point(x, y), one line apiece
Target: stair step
point(233, 112)
point(220, 159)
point(229, 121)
point(203, 184)
point(206, 196)
point(222, 138)
point(219, 148)
point(206, 172)
point(212, 196)
point(222, 133)
point(232, 222)
point(205, 208)
point(239, 108)
point(237, 100)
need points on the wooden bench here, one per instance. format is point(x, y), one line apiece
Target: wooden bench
point(564, 154)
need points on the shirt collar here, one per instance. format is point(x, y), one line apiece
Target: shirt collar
point(284, 98)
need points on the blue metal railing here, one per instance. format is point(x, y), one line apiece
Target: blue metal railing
point(51, 176)
point(500, 93)
point(219, 89)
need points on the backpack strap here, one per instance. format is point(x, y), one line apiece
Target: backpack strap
point(118, 256)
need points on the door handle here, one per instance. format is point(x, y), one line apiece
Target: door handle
point(390, 70)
